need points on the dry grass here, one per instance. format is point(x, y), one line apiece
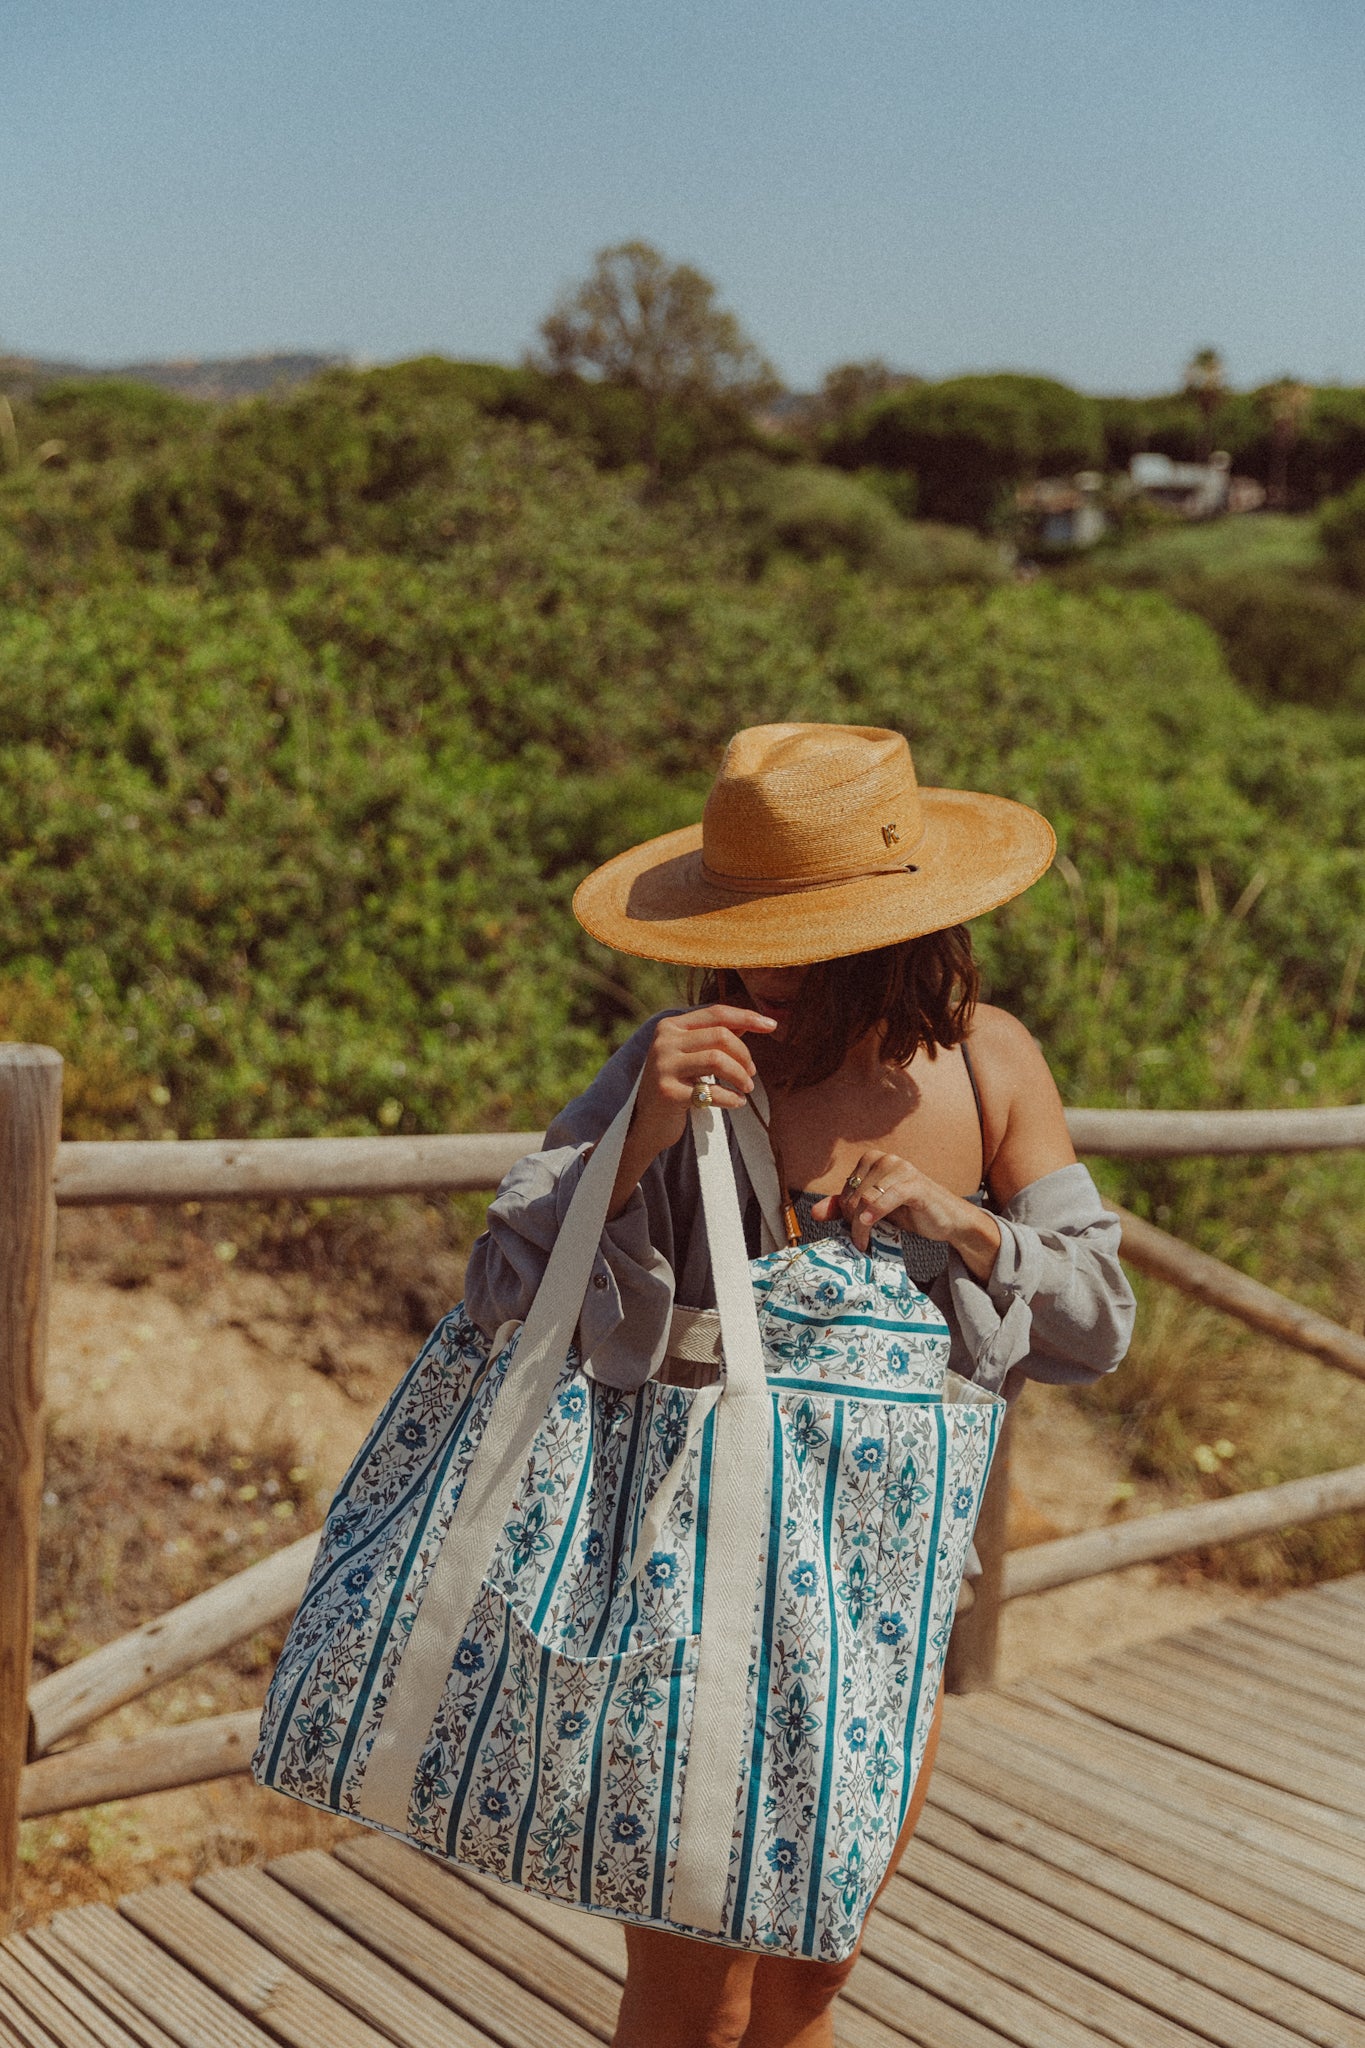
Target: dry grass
point(127, 1531)
point(1208, 1408)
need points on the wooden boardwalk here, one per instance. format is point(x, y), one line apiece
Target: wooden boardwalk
point(1159, 1848)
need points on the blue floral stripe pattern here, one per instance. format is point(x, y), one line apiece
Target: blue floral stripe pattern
point(558, 1753)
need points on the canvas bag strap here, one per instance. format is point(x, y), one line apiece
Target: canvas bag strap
point(737, 1529)
point(755, 1149)
point(490, 1485)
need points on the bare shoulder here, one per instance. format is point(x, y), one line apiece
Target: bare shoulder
point(1025, 1120)
point(998, 1037)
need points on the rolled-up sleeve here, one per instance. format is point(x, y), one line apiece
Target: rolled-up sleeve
point(1057, 1305)
point(623, 1328)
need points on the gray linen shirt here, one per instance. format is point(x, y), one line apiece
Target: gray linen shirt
point(1056, 1305)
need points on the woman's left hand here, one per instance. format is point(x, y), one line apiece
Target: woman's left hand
point(886, 1188)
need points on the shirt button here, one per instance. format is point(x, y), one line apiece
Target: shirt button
point(599, 1281)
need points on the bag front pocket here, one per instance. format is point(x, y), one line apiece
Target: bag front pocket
point(558, 1772)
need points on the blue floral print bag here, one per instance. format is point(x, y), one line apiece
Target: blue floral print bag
point(672, 1655)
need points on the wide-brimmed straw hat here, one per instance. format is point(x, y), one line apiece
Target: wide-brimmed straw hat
point(816, 841)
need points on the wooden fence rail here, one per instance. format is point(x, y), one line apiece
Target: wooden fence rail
point(38, 1777)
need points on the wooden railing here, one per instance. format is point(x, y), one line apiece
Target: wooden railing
point(43, 1771)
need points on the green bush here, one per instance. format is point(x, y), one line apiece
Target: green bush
point(819, 514)
point(1285, 637)
point(1341, 530)
point(968, 440)
point(105, 418)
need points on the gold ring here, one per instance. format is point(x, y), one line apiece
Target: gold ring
point(701, 1094)
point(853, 1183)
point(880, 1186)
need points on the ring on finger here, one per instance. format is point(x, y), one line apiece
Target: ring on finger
point(853, 1183)
point(701, 1094)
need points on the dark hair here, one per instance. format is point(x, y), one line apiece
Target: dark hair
point(922, 993)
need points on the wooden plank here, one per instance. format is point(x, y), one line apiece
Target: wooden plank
point(1269, 1704)
point(1164, 1723)
point(432, 1950)
point(1191, 1960)
point(264, 1169)
point(599, 1941)
point(39, 1972)
point(1336, 1627)
point(30, 1120)
point(1221, 1286)
point(1297, 1676)
point(905, 2012)
point(1290, 1505)
point(1190, 1852)
point(1350, 1591)
point(1325, 1593)
point(951, 1930)
point(483, 1924)
point(70, 1699)
point(903, 1957)
point(218, 1747)
point(1213, 1133)
point(1254, 1819)
point(1135, 1998)
point(1334, 1647)
point(1250, 1713)
point(192, 2014)
point(20, 2029)
point(327, 1956)
point(244, 1972)
point(20, 1992)
point(101, 1996)
point(1244, 1947)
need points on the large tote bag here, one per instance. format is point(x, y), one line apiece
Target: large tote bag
point(671, 1655)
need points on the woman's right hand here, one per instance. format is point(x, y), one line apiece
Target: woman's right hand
point(683, 1049)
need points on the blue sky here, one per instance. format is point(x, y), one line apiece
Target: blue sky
point(1088, 187)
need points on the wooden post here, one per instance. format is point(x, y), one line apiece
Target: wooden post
point(30, 1123)
point(972, 1646)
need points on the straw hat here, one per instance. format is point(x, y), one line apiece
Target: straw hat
point(816, 842)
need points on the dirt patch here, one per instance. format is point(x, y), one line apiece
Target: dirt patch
point(1067, 1476)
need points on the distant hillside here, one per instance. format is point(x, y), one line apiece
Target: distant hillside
point(210, 377)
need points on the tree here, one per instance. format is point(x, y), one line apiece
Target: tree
point(970, 440)
point(1206, 382)
point(1287, 403)
point(657, 328)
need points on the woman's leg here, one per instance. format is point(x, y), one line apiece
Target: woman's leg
point(792, 1999)
point(682, 1993)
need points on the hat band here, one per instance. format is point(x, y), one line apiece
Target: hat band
point(776, 885)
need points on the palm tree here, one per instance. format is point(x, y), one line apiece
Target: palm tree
point(1206, 383)
point(1287, 401)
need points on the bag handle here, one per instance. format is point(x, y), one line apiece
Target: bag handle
point(490, 1484)
point(737, 1530)
point(750, 1124)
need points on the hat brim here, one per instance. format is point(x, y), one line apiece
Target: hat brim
point(976, 853)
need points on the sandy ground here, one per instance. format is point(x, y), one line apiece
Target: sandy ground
point(211, 1363)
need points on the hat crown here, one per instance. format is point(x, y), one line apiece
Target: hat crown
point(806, 804)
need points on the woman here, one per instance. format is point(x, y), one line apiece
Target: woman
point(825, 894)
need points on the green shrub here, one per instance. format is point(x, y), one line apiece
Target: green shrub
point(821, 514)
point(1341, 530)
point(966, 441)
point(1285, 637)
point(105, 418)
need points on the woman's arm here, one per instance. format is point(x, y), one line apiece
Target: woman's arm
point(1038, 1285)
